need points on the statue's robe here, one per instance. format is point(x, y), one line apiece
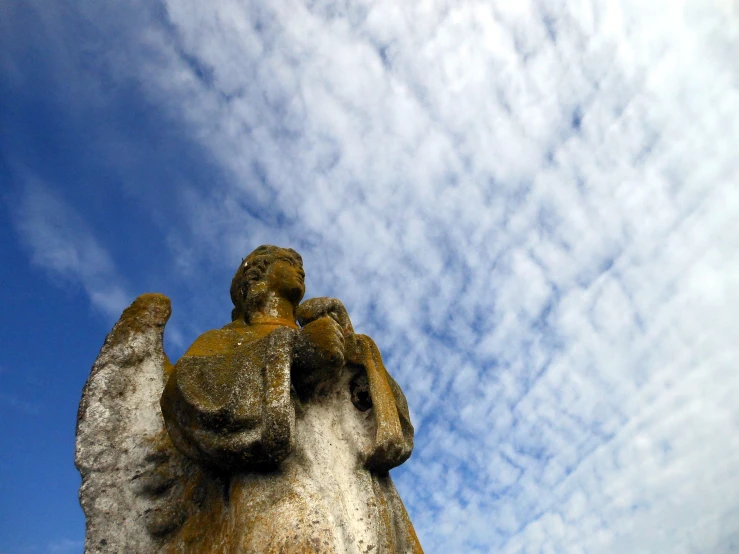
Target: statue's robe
point(297, 475)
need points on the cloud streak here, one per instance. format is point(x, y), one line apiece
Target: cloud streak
point(530, 206)
point(525, 204)
point(62, 244)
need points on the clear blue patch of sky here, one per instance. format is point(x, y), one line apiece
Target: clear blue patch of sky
point(97, 153)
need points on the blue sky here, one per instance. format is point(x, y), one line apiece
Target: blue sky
point(531, 207)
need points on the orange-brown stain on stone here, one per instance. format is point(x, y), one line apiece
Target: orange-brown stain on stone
point(147, 311)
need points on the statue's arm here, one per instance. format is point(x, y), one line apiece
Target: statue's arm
point(394, 435)
point(228, 404)
point(404, 416)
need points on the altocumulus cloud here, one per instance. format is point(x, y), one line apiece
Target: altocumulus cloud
point(531, 206)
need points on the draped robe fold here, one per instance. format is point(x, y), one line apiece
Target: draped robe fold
point(297, 474)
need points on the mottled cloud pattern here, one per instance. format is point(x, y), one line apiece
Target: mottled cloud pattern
point(531, 206)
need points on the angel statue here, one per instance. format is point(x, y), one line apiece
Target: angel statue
point(273, 434)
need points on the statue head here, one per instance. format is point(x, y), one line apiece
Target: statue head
point(267, 270)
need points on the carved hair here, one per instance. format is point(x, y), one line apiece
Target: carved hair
point(251, 271)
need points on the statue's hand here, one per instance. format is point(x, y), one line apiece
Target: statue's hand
point(312, 309)
point(318, 354)
point(321, 344)
point(315, 308)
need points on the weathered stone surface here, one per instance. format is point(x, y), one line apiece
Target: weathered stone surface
point(278, 437)
point(117, 418)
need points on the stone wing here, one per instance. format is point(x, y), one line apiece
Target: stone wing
point(125, 458)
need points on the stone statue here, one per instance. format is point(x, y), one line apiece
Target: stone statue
point(273, 434)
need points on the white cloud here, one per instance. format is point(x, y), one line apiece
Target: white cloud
point(61, 243)
point(530, 205)
point(65, 545)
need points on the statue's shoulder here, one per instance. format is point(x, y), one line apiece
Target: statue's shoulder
point(234, 335)
point(218, 341)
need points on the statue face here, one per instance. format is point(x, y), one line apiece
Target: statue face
point(286, 279)
point(267, 274)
